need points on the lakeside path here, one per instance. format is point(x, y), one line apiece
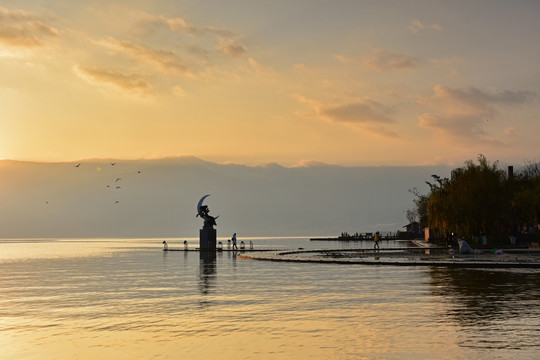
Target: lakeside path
point(410, 257)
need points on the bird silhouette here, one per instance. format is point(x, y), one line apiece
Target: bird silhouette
point(77, 165)
point(113, 163)
point(118, 187)
point(117, 202)
point(118, 179)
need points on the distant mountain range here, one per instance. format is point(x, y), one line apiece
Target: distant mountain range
point(158, 198)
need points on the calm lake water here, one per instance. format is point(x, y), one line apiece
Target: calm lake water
point(127, 299)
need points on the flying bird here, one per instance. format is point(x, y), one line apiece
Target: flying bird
point(77, 165)
point(118, 179)
point(117, 202)
point(112, 164)
point(118, 187)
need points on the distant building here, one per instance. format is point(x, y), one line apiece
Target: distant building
point(412, 231)
point(413, 228)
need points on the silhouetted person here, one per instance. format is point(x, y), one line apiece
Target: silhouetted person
point(233, 239)
point(376, 239)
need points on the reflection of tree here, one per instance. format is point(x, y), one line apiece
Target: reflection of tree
point(483, 296)
point(207, 271)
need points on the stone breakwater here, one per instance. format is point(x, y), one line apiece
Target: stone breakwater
point(424, 257)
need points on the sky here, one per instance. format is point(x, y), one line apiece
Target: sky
point(253, 82)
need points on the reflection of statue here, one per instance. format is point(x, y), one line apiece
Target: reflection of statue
point(202, 211)
point(207, 272)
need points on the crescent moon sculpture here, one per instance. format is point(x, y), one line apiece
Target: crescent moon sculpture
point(200, 203)
point(203, 210)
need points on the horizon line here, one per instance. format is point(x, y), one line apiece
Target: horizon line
point(299, 164)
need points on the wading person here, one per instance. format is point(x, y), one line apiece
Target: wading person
point(234, 242)
point(376, 239)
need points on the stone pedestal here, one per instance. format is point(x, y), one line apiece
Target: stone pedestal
point(207, 239)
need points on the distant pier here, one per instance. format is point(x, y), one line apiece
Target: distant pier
point(358, 237)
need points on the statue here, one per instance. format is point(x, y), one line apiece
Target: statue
point(202, 211)
point(207, 235)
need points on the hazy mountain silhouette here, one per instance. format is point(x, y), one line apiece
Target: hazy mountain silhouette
point(158, 198)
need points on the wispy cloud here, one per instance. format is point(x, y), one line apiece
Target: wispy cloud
point(259, 68)
point(461, 126)
point(362, 111)
point(381, 60)
point(180, 25)
point(416, 26)
point(119, 80)
point(178, 91)
point(474, 101)
point(231, 47)
point(228, 43)
point(345, 59)
point(165, 60)
point(367, 114)
point(463, 113)
point(22, 29)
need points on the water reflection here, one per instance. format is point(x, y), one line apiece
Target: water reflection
point(137, 300)
point(207, 271)
point(499, 305)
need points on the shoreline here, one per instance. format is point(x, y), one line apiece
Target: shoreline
point(430, 257)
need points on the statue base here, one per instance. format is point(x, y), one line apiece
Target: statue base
point(207, 239)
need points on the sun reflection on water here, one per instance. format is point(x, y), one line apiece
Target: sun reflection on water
point(123, 300)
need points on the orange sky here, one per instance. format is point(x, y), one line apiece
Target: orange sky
point(352, 83)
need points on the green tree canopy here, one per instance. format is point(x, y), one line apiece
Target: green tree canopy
point(480, 199)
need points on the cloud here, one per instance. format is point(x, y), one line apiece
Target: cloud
point(366, 114)
point(259, 68)
point(166, 60)
point(364, 111)
point(231, 47)
point(180, 25)
point(462, 113)
point(417, 26)
point(345, 59)
point(473, 101)
point(178, 91)
point(387, 60)
point(227, 41)
point(457, 125)
point(22, 29)
point(117, 79)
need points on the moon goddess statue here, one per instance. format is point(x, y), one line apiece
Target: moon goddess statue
point(202, 211)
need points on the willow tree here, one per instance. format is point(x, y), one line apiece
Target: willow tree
point(438, 206)
point(472, 203)
point(526, 196)
point(479, 199)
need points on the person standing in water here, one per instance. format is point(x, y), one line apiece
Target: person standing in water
point(234, 242)
point(376, 239)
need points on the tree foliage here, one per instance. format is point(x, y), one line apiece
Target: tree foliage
point(480, 199)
